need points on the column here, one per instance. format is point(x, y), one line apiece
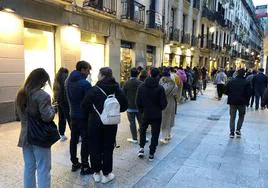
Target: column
point(11, 63)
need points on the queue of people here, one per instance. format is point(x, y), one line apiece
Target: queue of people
point(149, 96)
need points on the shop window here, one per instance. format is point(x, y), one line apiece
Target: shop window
point(126, 60)
point(150, 55)
point(39, 52)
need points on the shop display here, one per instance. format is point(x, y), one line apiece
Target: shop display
point(126, 64)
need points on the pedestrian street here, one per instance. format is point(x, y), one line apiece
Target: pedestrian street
point(200, 154)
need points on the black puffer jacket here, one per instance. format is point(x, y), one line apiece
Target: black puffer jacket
point(238, 91)
point(96, 97)
point(130, 90)
point(151, 99)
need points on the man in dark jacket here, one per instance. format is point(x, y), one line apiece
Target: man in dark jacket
point(77, 86)
point(239, 92)
point(130, 90)
point(259, 84)
point(151, 101)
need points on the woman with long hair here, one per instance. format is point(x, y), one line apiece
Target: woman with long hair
point(32, 99)
point(102, 138)
point(62, 103)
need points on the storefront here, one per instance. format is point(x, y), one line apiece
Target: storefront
point(39, 51)
point(150, 56)
point(93, 51)
point(126, 60)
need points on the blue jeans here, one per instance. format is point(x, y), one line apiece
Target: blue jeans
point(37, 158)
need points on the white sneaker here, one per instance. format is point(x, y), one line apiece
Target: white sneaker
point(141, 153)
point(132, 141)
point(163, 141)
point(63, 138)
point(108, 178)
point(97, 177)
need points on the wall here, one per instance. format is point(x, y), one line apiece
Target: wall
point(11, 63)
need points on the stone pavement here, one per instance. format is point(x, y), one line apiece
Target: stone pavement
point(200, 154)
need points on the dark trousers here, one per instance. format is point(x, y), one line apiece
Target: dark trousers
point(132, 120)
point(258, 95)
point(204, 84)
point(252, 99)
point(220, 90)
point(194, 91)
point(101, 152)
point(155, 128)
point(79, 128)
point(242, 111)
point(63, 117)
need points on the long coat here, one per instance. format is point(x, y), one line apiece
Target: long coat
point(171, 91)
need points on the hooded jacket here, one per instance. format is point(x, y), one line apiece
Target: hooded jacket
point(130, 90)
point(259, 83)
point(151, 99)
point(76, 86)
point(238, 91)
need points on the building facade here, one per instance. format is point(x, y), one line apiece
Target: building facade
point(58, 33)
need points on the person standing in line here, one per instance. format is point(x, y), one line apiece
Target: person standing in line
point(62, 102)
point(168, 115)
point(259, 83)
point(220, 80)
point(204, 77)
point(239, 92)
point(76, 87)
point(151, 101)
point(189, 83)
point(130, 90)
point(102, 138)
point(143, 75)
point(250, 79)
point(183, 79)
point(32, 99)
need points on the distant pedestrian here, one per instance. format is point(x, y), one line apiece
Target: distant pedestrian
point(220, 80)
point(183, 79)
point(204, 74)
point(239, 92)
point(250, 79)
point(76, 88)
point(143, 75)
point(168, 115)
point(61, 100)
point(32, 99)
point(130, 90)
point(151, 101)
point(102, 138)
point(259, 83)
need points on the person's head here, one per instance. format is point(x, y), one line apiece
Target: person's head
point(36, 80)
point(155, 72)
point(105, 72)
point(261, 70)
point(241, 72)
point(61, 71)
point(143, 75)
point(134, 72)
point(83, 67)
point(221, 69)
point(166, 72)
point(139, 69)
point(254, 72)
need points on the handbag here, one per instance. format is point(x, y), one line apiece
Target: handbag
point(40, 133)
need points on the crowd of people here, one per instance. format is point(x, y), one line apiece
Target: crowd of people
point(150, 96)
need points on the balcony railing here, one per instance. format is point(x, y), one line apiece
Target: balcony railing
point(228, 24)
point(209, 14)
point(133, 10)
point(186, 38)
point(154, 20)
point(108, 6)
point(220, 18)
point(196, 4)
point(194, 41)
point(174, 34)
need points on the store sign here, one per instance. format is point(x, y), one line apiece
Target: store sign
point(262, 11)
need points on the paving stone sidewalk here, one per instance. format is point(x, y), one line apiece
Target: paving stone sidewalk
point(200, 154)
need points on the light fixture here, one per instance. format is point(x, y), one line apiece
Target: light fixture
point(247, 50)
point(182, 46)
point(192, 48)
point(9, 10)
point(252, 53)
point(74, 25)
point(212, 29)
point(235, 43)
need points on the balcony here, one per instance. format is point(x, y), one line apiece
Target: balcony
point(194, 41)
point(186, 38)
point(228, 24)
point(154, 20)
point(196, 4)
point(132, 10)
point(174, 34)
point(209, 14)
point(108, 6)
point(220, 19)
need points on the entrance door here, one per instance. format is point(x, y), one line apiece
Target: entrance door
point(94, 54)
point(39, 52)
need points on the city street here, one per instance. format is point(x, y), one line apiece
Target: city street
point(200, 154)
